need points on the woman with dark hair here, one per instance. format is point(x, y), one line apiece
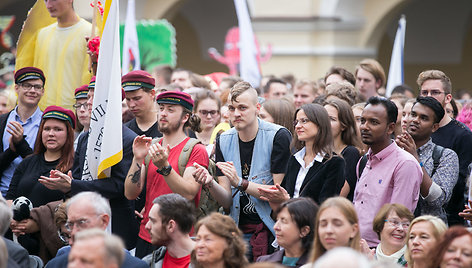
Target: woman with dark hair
point(219, 243)
point(54, 149)
point(346, 141)
point(454, 249)
point(294, 230)
point(315, 171)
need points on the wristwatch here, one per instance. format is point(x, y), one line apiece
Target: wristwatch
point(165, 170)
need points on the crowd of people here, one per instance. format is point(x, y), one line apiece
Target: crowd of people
point(241, 176)
point(217, 172)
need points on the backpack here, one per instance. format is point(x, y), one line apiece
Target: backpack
point(207, 203)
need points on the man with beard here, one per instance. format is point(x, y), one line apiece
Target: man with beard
point(170, 221)
point(161, 175)
point(451, 134)
point(391, 175)
point(438, 178)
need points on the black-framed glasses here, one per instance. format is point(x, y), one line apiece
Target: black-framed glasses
point(208, 112)
point(35, 87)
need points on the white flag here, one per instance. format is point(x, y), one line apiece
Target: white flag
point(104, 148)
point(248, 67)
point(130, 42)
point(395, 73)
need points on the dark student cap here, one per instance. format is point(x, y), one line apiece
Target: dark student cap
point(81, 92)
point(28, 73)
point(60, 113)
point(135, 80)
point(176, 97)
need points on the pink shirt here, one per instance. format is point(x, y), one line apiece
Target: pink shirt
point(390, 176)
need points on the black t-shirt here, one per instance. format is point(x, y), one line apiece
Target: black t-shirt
point(25, 181)
point(279, 159)
point(351, 157)
point(152, 132)
point(456, 136)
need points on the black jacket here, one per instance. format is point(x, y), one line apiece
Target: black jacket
point(322, 181)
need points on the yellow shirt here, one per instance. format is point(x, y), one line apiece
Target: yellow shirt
point(62, 55)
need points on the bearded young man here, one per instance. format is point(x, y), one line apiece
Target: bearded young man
point(162, 175)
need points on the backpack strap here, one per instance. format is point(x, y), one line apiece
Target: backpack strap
point(185, 154)
point(361, 165)
point(437, 154)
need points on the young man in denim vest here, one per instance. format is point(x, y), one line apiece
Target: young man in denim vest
point(251, 155)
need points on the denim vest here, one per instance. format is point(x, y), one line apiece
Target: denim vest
point(260, 166)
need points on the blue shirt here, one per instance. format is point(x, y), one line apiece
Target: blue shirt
point(30, 129)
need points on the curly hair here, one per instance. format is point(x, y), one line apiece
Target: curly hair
point(224, 226)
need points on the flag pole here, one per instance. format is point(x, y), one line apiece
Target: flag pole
point(92, 34)
point(94, 18)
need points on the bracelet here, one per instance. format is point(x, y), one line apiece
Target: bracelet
point(421, 164)
point(244, 185)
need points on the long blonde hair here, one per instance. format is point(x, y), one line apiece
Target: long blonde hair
point(348, 210)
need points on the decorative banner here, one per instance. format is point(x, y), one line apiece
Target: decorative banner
point(395, 73)
point(231, 56)
point(131, 59)
point(38, 17)
point(105, 145)
point(157, 44)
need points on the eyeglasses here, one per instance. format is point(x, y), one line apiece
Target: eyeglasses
point(398, 224)
point(28, 86)
point(433, 92)
point(79, 224)
point(208, 112)
point(302, 121)
point(64, 237)
point(77, 106)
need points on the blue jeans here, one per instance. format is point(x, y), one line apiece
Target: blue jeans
point(247, 238)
